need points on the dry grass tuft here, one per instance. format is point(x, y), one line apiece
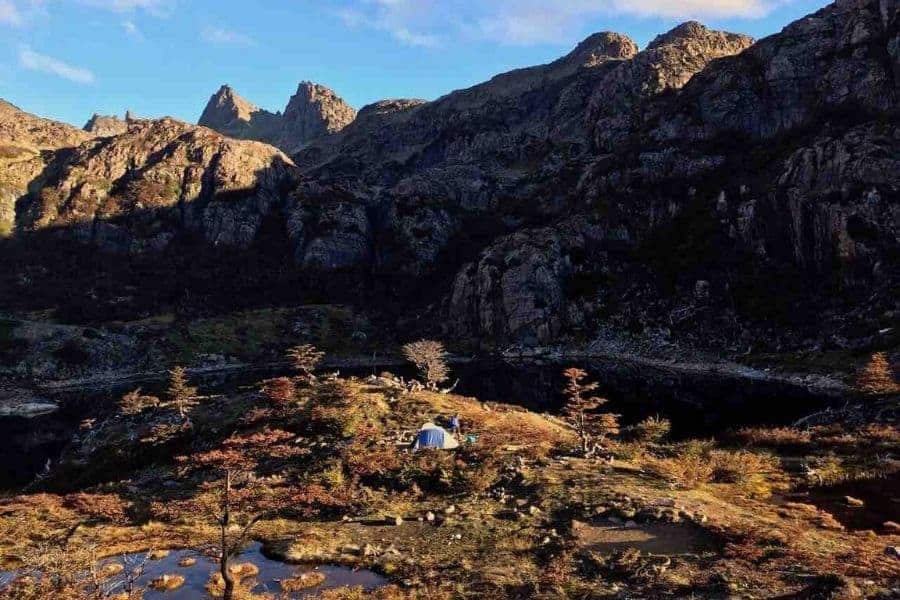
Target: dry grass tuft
point(167, 582)
point(243, 570)
point(303, 581)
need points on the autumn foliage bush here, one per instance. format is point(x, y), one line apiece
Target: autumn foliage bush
point(685, 470)
point(134, 403)
point(695, 463)
point(305, 359)
point(280, 392)
point(652, 429)
point(108, 508)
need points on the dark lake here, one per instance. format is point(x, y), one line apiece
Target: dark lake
point(698, 404)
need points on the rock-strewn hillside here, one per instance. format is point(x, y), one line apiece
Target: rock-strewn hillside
point(24, 130)
point(136, 191)
point(314, 111)
point(24, 142)
point(756, 207)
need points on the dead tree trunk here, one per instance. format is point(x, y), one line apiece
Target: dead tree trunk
point(225, 559)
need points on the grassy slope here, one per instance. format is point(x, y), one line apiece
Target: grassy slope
point(329, 454)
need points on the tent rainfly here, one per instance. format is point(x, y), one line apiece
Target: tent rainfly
point(432, 436)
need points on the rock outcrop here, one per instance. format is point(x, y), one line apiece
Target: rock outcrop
point(231, 115)
point(520, 289)
point(24, 142)
point(106, 125)
point(135, 191)
point(314, 111)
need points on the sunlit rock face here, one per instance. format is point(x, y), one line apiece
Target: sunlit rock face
point(135, 191)
point(312, 112)
point(105, 126)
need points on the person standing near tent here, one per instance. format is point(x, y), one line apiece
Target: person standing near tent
point(455, 428)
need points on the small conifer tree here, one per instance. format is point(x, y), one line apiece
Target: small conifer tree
point(580, 410)
point(181, 396)
point(305, 359)
point(134, 403)
point(877, 377)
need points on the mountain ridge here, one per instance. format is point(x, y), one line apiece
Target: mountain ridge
point(612, 189)
point(313, 111)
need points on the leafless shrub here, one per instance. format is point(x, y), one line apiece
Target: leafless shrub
point(430, 358)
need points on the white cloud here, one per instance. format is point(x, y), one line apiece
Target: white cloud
point(411, 38)
point(131, 30)
point(746, 9)
point(159, 8)
point(225, 37)
point(404, 20)
point(525, 22)
point(47, 64)
point(9, 14)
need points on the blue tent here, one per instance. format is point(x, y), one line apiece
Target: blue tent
point(432, 436)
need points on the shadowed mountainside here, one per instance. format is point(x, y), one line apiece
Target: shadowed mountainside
point(705, 190)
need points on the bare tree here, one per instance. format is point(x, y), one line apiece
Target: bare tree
point(236, 504)
point(877, 376)
point(430, 358)
point(305, 359)
point(580, 410)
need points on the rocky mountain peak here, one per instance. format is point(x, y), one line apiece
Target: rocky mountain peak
point(694, 32)
point(105, 125)
point(227, 110)
point(687, 30)
point(602, 46)
point(312, 112)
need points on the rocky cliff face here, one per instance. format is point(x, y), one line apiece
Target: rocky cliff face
point(765, 183)
point(314, 111)
point(708, 225)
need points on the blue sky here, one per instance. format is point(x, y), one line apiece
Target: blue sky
point(66, 59)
